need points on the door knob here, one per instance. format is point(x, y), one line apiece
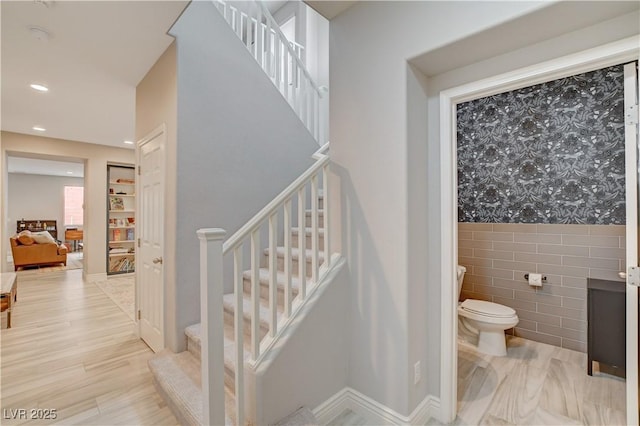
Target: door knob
point(157, 260)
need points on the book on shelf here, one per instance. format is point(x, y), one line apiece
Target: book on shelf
point(116, 235)
point(118, 250)
point(130, 234)
point(116, 203)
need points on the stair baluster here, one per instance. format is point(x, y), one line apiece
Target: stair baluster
point(280, 59)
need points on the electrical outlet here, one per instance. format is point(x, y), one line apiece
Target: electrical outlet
point(416, 373)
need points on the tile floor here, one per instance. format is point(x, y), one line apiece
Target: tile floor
point(535, 384)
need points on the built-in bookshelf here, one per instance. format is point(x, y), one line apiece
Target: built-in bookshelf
point(121, 219)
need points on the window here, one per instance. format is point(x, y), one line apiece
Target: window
point(73, 201)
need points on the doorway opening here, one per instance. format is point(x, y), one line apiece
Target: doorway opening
point(45, 198)
point(608, 55)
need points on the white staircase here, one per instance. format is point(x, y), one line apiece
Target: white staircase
point(289, 254)
point(178, 376)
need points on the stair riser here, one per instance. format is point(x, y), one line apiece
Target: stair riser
point(193, 347)
point(307, 241)
point(264, 292)
point(295, 267)
point(229, 374)
point(320, 220)
point(228, 320)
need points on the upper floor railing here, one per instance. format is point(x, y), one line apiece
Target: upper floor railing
point(281, 60)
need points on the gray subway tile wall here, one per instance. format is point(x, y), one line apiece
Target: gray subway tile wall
point(498, 255)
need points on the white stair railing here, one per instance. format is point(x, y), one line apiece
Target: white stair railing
point(304, 191)
point(281, 60)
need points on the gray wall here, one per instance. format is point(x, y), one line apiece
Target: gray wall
point(239, 143)
point(38, 197)
point(378, 145)
point(312, 364)
point(498, 255)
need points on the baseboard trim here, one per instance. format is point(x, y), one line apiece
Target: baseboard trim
point(373, 411)
point(93, 278)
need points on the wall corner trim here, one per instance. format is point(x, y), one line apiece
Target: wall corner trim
point(375, 413)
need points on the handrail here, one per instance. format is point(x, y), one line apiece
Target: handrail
point(321, 152)
point(257, 220)
point(281, 60)
point(292, 52)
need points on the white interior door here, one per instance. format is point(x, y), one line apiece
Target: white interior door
point(150, 271)
point(631, 143)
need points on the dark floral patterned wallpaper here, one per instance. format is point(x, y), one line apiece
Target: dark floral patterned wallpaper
point(550, 153)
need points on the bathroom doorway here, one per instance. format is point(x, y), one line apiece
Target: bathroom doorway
point(613, 54)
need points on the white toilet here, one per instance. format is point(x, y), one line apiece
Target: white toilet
point(488, 319)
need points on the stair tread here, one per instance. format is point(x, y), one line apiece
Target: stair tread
point(194, 334)
point(178, 375)
point(308, 230)
point(265, 276)
point(230, 356)
point(295, 253)
point(229, 302)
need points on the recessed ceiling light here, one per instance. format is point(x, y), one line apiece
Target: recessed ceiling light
point(128, 142)
point(69, 172)
point(39, 87)
point(38, 128)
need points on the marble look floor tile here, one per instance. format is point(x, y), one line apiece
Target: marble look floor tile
point(490, 420)
point(563, 389)
point(606, 390)
point(543, 417)
point(596, 414)
point(475, 399)
point(518, 394)
point(535, 354)
point(348, 418)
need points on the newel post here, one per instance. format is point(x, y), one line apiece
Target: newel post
point(211, 319)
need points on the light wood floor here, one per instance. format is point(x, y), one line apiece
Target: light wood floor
point(535, 384)
point(72, 349)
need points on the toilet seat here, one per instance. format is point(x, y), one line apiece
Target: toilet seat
point(488, 309)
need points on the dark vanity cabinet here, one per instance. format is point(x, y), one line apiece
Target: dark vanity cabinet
point(606, 311)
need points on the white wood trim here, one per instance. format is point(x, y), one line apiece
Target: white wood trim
point(599, 57)
point(375, 413)
point(238, 237)
point(212, 323)
point(160, 130)
point(449, 250)
point(271, 346)
point(631, 167)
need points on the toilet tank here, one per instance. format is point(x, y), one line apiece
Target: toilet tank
point(461, 271)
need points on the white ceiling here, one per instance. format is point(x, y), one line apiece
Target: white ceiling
point(37, 166)
point(97, 53)
point(330, 8)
